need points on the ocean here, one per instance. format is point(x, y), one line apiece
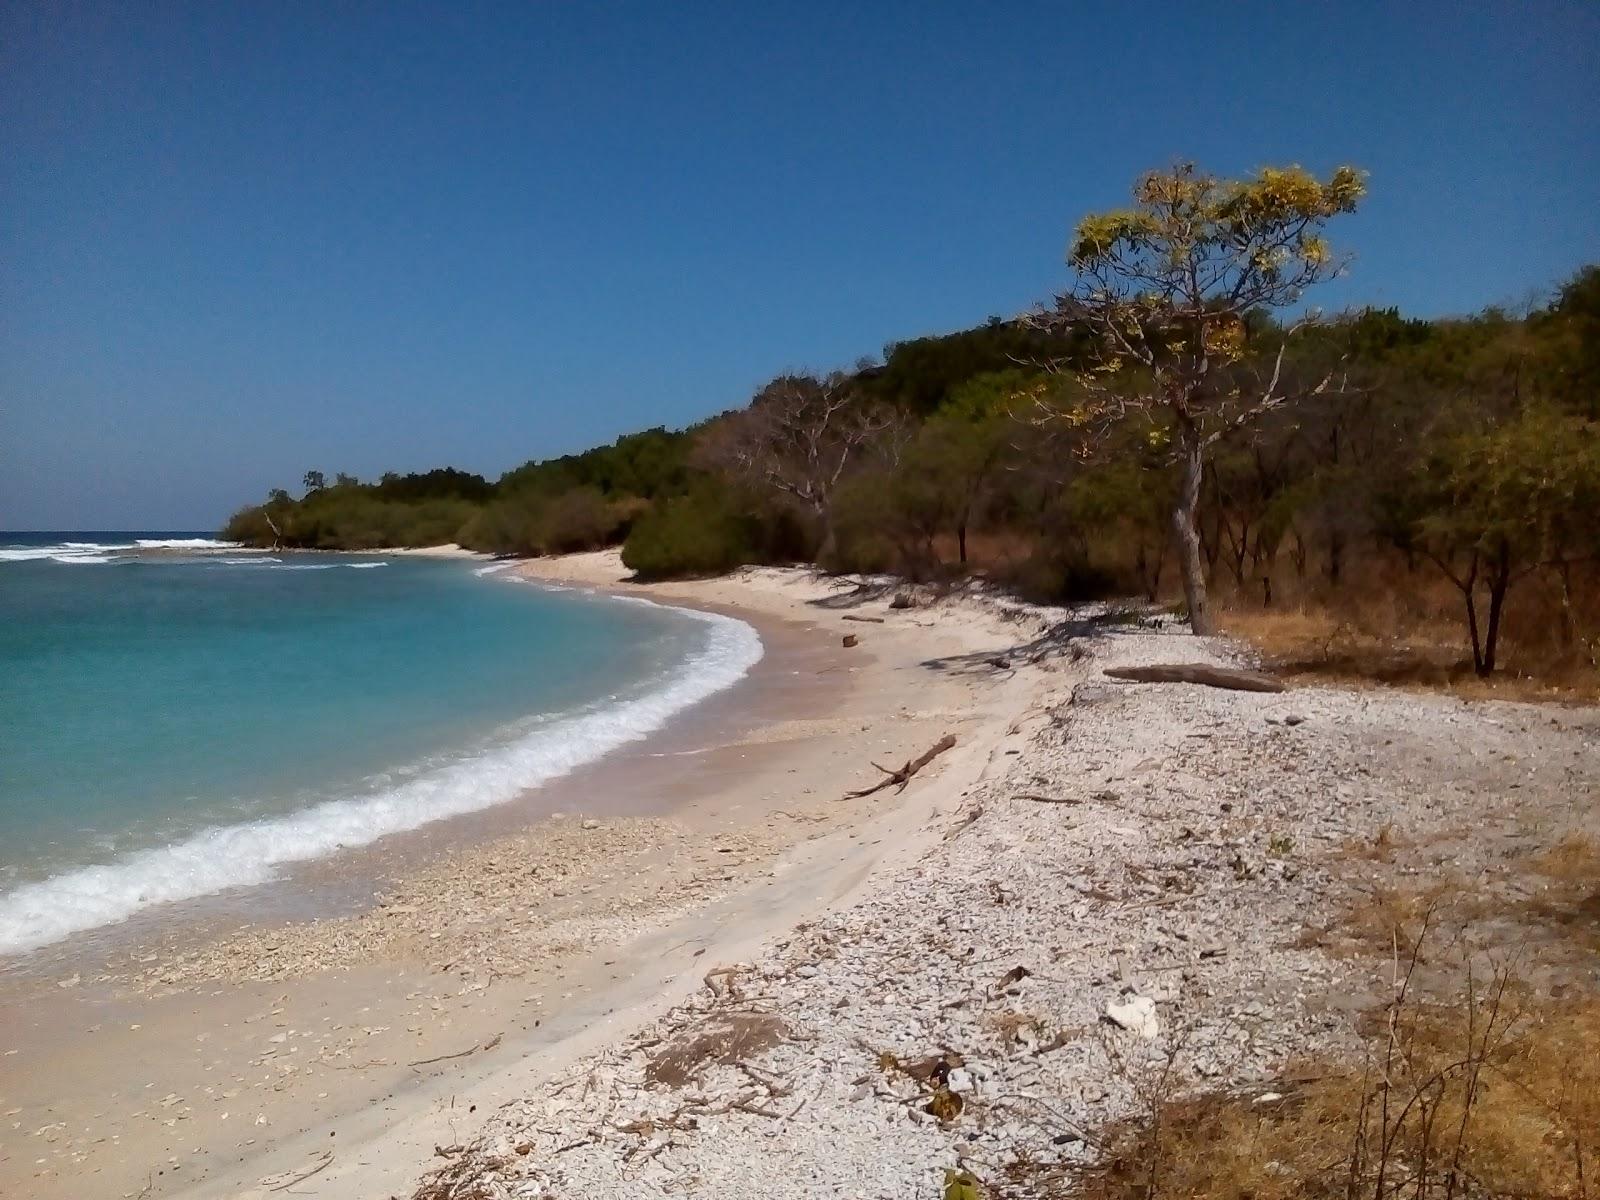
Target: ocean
point(180, 717)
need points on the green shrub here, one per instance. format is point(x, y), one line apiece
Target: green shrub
point(509, 526)
point(698, 534)
point(578, 520)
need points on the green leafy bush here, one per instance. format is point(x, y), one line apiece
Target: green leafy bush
point(578, 520)
point(698, 534)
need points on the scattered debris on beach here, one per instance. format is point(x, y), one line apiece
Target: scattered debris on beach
point(1129, 907)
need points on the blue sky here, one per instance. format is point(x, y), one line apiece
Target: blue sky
point(239, 241)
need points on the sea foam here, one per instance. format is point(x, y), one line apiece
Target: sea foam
point(252, 852)
point(186, 544)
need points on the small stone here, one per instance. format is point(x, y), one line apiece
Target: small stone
point(1137, 1015)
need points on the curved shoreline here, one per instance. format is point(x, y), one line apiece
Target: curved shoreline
point(218, 859)
point(500, 928)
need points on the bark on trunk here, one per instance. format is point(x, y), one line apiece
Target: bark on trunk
point(1499, 585)
point(830, 540)
point(1569, 625)
point(1186, 540)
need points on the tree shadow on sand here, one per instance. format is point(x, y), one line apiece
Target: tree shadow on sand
point(866, 591)
point(1066, 639)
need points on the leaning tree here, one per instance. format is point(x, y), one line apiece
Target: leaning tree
point(1171, 291)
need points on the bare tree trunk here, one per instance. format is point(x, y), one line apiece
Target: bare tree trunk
point(1499, 585)
point(1186, 538)
point(1468, 588)
point(961, 540)
point(1569, 626)
point(830, 542)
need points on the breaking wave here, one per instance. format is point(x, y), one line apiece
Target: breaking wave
point(252, 852)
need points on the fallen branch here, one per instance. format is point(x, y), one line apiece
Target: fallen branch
point(1164, 901)
point(1049, 799)
point(899, 778)
point(865, 620)
point(1231, 678)
point(972, 815)
point(322, 1166)
point(489, 1045)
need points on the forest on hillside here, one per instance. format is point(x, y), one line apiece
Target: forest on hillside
point(1176, 425)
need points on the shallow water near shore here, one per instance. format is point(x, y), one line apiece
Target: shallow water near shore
point(184, 718)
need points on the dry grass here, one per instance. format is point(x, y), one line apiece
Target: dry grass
point(1381, 847)
point(1493, 1095)
point(1388, 625)
point(1476, 1081)
point(1571, 896)
point(1315, 643)
point(1387, 918)
point(1573, 861)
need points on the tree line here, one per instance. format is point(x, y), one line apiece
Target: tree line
point(1176, 423)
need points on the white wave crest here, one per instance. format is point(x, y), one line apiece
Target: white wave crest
point(87, 560)
point(66, 552)
point(365, 566)
point(186, 544)
point(223, 857)
point(493, 568)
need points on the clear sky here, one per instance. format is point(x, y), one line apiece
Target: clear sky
point(241, 240)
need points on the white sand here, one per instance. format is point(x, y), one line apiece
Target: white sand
point(1198, 834)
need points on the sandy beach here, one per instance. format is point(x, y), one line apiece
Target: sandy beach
point(494, 1023)
point(187, 1059)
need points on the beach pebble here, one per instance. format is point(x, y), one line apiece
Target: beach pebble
point(1136, 1014)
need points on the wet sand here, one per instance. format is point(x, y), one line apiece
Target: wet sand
point(196, 1054)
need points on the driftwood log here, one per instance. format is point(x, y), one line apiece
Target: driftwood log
point(1204, 674)
point(898, 779)
point(867, 620)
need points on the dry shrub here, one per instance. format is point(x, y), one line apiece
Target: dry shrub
point(1388, 919)
point(1572, 896)
point(1386, 624)
point(1573, 861)
point(1381, 847)
point(1494, 1095)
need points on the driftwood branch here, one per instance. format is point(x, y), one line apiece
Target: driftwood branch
point(489, 1045)
point(867, 620)
point(322, 1166)
point(898, 779)
point(1204, 674)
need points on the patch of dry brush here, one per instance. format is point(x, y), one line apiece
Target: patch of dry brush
point(1495, 1095)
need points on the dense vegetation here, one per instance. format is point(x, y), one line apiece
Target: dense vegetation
point(1161, 428)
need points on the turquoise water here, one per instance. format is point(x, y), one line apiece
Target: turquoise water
point(178, 718)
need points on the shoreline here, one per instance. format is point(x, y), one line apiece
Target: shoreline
point(1195, 852)
point(640, 872)
point(730, 653)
